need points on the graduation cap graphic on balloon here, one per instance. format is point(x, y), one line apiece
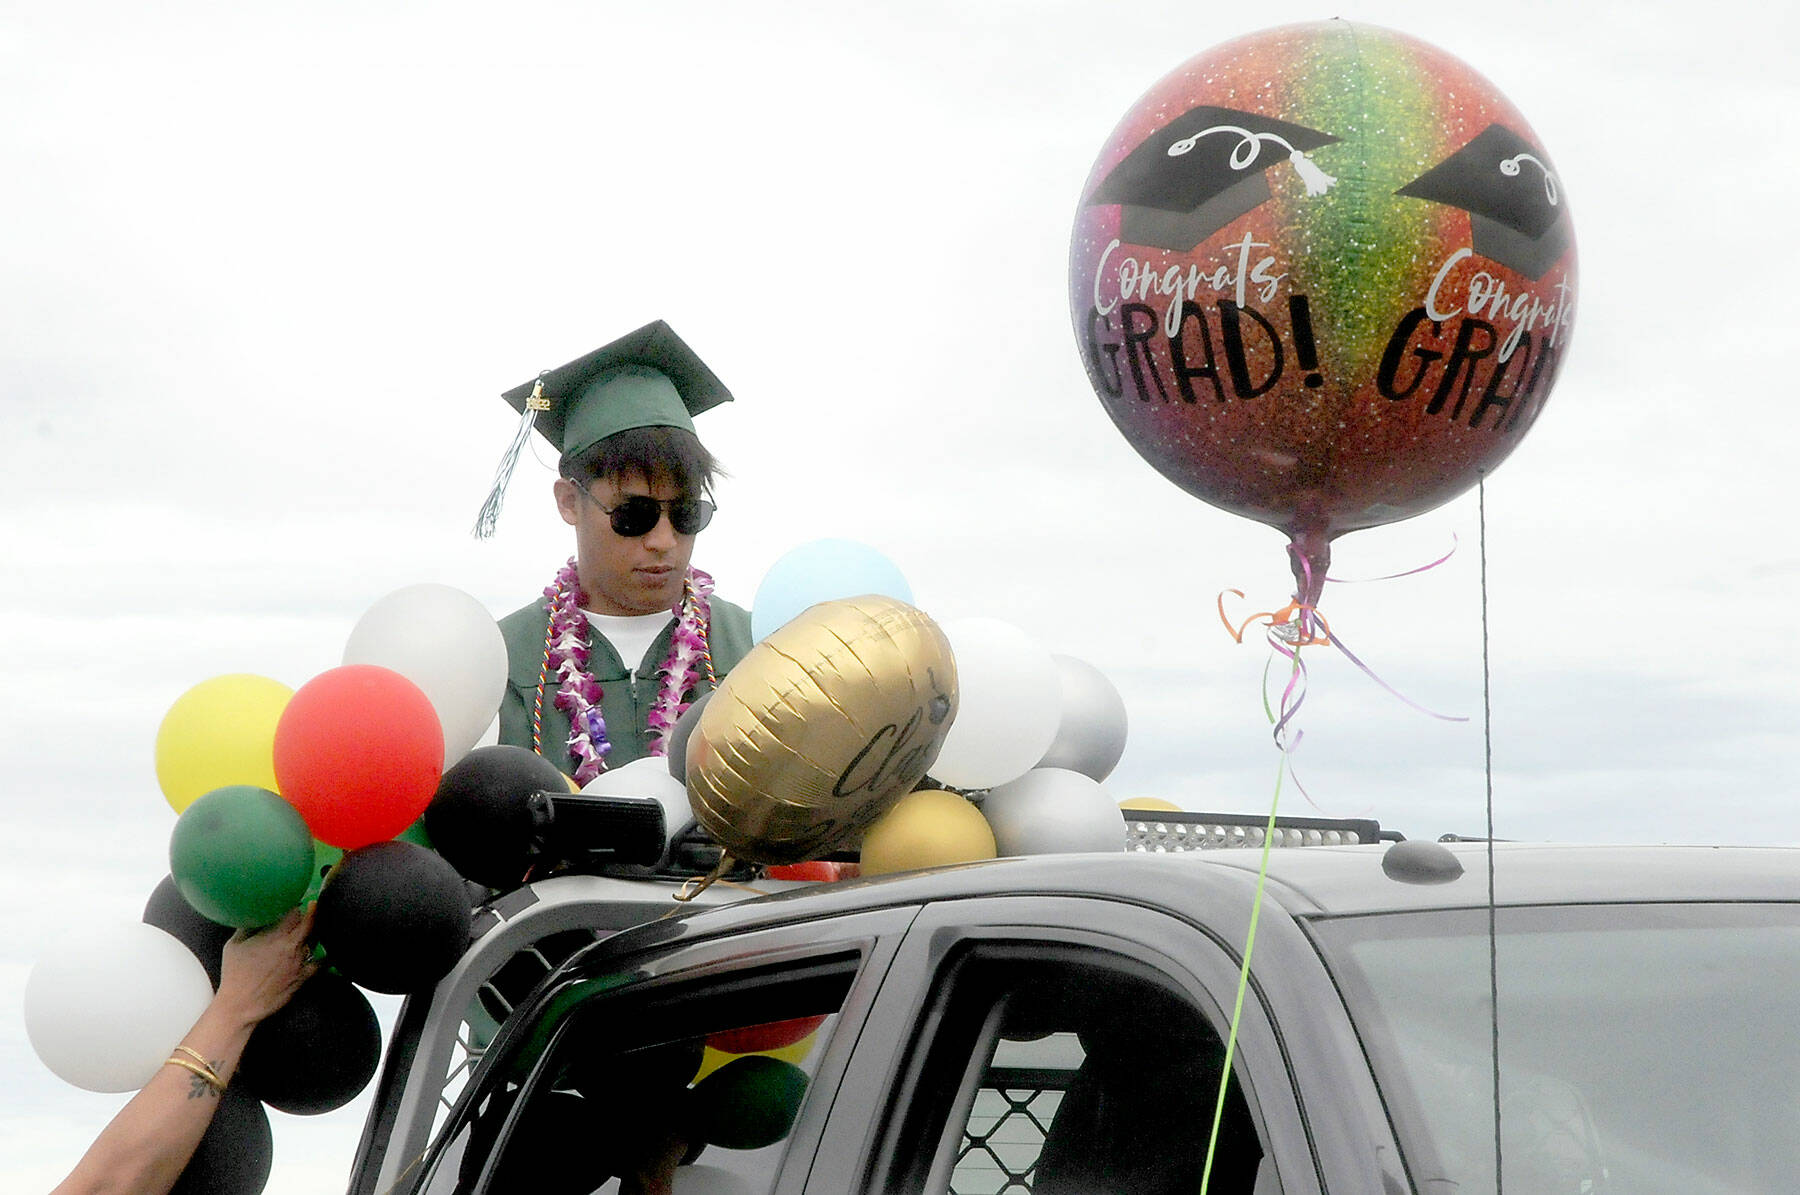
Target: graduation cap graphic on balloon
point(1203, 170)
point(1511, 192)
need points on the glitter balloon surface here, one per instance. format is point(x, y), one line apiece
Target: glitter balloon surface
point(1323, 277)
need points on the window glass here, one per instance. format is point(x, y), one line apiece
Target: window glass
point(651, 1089)
point(1066, 1072)
point(1644, 1050)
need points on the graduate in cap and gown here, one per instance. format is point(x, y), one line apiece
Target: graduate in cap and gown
point(628, 633)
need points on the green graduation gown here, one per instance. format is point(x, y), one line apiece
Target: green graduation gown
point(626, 697)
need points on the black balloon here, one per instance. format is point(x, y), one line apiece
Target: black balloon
point(316, 1052)
point(237, 1152)
point(170, 912)
point(684, 730)
point(393, 917)
point(483, 818)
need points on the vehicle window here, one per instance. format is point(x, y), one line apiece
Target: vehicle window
point(625, 1088)
point(1066, 1071)
point(1642, 1049)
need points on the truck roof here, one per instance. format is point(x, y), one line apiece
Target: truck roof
point(1324, 881)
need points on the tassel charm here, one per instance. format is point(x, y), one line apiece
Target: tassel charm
point(490, 509)
point(1316, 180)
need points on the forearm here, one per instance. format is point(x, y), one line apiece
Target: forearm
point(147, 1145)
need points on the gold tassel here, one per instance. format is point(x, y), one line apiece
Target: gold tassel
point(490, 509)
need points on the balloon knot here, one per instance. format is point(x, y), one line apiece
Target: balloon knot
point(1297, 624)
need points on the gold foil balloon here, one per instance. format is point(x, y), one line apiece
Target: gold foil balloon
point(823, 726)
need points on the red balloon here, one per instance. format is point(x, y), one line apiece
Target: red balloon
point(757, 1038)
point(359, 752)
point(822, 871)
point(1323, 277)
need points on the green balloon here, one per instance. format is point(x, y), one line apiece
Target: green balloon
point(748, 1103)
point(415, 833)
point(241, 856)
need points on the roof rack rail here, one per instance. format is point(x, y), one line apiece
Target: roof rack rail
point(1152, 830)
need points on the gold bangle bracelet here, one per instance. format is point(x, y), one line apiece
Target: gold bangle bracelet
point(199, 1070)
point(196, 1055)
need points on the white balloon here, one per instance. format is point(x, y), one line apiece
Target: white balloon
point(489, 737)
point(108, 1006)
point(711, 1180)
point(1090, 736)
point(445, 642)
point(648, 777)
point(1053, 811)
point(1008, 704)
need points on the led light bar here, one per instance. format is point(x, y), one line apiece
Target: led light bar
point(1157, 830)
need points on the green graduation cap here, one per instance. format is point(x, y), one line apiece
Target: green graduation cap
point(649, 378)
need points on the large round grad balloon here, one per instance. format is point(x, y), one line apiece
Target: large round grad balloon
point(1323, 277)
point(820, 728)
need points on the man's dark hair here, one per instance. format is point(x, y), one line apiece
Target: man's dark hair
point(655, 453)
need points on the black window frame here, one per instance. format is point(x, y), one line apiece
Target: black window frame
point(940, 1071)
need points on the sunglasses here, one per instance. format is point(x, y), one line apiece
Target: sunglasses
point(639, 514)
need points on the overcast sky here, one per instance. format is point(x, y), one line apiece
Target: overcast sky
point(268, 267)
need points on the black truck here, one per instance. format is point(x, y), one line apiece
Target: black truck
point(1059, 1025)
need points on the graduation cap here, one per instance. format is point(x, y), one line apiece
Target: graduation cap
point(648, 378)
point(1203, 170)
point(1512, 196)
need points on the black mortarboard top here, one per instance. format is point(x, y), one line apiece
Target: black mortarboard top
point(1512, 195)
point(649, 378)
point(1203, 170)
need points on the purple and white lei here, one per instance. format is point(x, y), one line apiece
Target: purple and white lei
point(578, 694)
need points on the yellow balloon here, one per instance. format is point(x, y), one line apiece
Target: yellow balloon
point(1155, 804)
point(928, 828)
point(220, 732)
point(827, 722)
point(711, 1059)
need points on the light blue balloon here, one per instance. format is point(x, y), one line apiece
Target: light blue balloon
point(822, 571)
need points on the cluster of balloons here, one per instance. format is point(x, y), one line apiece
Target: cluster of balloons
point(857, 718)
point(286, 797)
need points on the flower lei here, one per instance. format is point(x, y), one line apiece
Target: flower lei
point(578, 693)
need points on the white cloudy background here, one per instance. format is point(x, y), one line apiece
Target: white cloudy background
point(266, 267)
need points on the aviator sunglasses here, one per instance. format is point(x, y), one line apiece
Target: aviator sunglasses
point(639, 514)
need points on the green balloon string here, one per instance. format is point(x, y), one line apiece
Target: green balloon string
point(1237, 1008)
